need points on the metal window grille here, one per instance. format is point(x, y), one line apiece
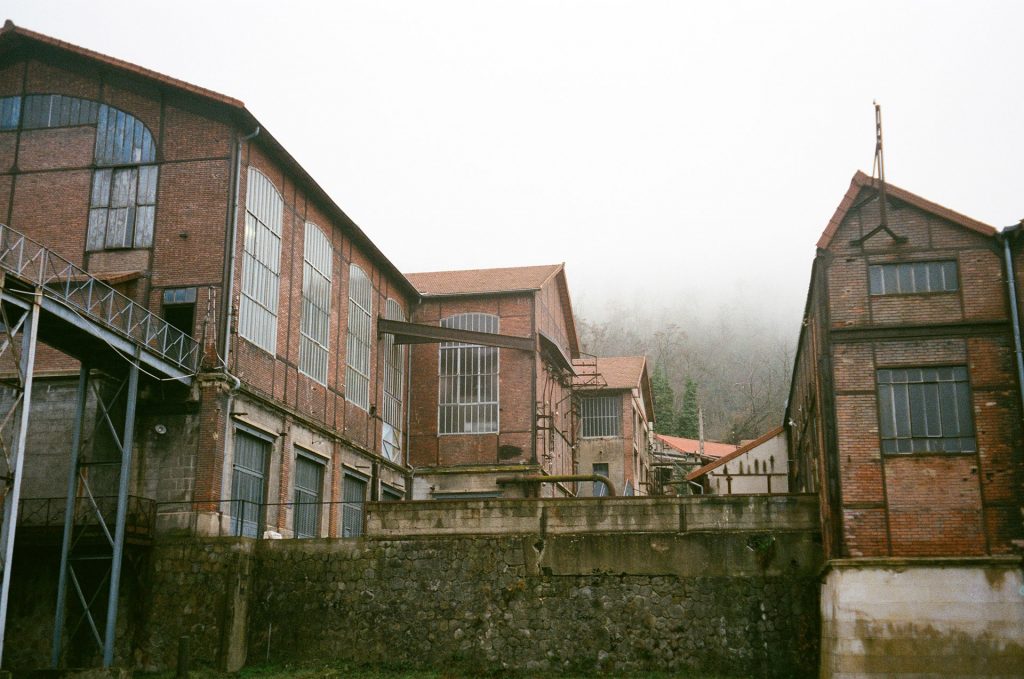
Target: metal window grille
point(394, 382)
point(925, 410)
point(10, 112)
point(309, 483)
point(600, 487)
point(56, 110)
point(248, 483)
point(601, 415)
point(468, 379)
point(911, 277)
point(122, 206)
point(261, 262)
point(357, 345)
point(353, 495)
point(316, 304)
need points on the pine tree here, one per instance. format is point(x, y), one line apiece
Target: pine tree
point(687, 424)
point(664, 407)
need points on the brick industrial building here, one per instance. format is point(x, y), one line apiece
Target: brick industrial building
point(307, 400)
point(905, 417)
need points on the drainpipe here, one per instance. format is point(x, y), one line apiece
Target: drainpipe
point(1011, 288)
point(234, 243)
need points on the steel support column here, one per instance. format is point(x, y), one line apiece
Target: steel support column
point(69, 513)
point(28, 324)
point(78, 547)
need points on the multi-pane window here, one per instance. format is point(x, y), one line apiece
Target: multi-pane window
point(43, 111)
point(601, 415)
point(353, 497)
point(261, 262)
point(394, 365)
point(248, 483)
point(468, 384)
point(925, 410)
point(316, 304)
point(309, 483)
point(911, 277)
point(121, 208)
point(10, 112)
point(357, 346)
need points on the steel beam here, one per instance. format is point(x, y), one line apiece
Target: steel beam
point(26, 365)
point(122, 512)
point(69, 514)
point(417, 333)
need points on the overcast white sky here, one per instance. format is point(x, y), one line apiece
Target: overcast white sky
point(664, 150)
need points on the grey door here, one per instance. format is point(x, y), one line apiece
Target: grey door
point(353, 495)
point(248, 483)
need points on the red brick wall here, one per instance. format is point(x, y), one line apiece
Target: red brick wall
point(920, 504)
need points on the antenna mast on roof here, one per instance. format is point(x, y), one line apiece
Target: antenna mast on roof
point(878, 171)
point(879, 164)
point(700, 429)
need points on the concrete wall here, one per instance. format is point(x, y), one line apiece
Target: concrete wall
point(593, 515)
point(734, 591)
point(952, 618)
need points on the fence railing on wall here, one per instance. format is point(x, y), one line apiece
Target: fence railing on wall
point(27, 260)
point(48, 512)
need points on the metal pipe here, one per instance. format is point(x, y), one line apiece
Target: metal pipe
point(558, 478)
point(234, 244)
point(1011, 287)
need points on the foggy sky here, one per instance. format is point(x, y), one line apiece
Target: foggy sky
point(673, 154)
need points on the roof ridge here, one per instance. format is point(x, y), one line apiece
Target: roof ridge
point(861, 180)
point(11, 28)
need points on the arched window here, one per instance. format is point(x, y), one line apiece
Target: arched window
point(357, 348)
point(394, 383)
point(122, 202)
point(316, 304)
point(468, 379)
point(261, 262)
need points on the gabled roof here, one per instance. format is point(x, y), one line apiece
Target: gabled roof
point(483, 281)
point(861, 181)
point(617, 372)
point(500, 281)
point(711, 448)
point(12, 37)
point(726, 459)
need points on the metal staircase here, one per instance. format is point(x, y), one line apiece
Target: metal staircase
point(46, 298)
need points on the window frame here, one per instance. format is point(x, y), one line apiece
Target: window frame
point(900, 418)
point(315, 317)
point(261, 262)
point(907, 274)
point(301, 506)
point(605, 417)
point(393, 388)
point(452, 406)
point(358, 342)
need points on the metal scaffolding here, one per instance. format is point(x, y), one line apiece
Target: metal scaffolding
point(45, 298)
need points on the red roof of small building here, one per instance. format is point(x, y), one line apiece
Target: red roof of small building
point(861, 180)
point(483, 281)
point(711, 448)
point(725, 459)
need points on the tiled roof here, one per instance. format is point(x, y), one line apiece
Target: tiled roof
point(611, 372)
point(746, 448)
point(12, 36)
point(711, 448)
point(10, 28)
point(482, 281)
point(861, 180)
